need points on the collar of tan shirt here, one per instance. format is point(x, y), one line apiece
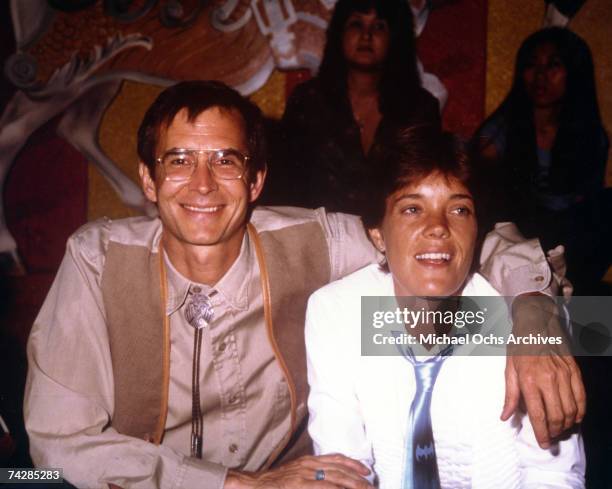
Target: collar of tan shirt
point(232, 289)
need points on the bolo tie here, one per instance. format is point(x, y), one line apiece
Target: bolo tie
point(198, 313)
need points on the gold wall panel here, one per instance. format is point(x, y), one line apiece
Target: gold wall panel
point(271, 97)
point(117, 136)
point(508, 24)
point(594, 24)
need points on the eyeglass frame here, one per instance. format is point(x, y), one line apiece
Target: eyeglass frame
point(179, 151)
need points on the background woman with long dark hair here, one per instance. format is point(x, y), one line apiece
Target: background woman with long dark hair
point(550, 150)
point(368, 76)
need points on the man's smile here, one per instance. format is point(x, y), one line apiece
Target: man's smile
point(202, 209)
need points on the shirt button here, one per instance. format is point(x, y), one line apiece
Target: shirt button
point(539, 278)
point(233, 448)
point(222, 346)
point(233, 399)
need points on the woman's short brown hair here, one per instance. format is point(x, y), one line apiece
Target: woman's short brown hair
point(404, 154)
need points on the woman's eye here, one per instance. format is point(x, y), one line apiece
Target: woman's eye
point(353, 24)
point(555, 63)
point(380, 26)
point(411, 209)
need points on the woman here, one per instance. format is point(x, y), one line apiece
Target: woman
point(367, 78)
point(373, 408)
point(550, 147)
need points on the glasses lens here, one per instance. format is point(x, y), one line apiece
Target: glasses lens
point(227, 164)
point(179, 166)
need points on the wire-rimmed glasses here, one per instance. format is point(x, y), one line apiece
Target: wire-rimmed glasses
point(225, 164)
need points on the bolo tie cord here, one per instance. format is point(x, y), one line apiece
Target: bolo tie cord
point(196, 408)
point(199, 313)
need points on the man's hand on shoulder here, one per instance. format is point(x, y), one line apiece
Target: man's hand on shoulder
point(338, 472)
point(545, 374)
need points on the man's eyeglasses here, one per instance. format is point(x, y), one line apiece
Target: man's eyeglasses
point(225, 164)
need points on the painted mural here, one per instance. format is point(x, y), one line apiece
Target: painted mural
point(85, 70)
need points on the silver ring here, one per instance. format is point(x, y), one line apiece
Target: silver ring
point(320, 475)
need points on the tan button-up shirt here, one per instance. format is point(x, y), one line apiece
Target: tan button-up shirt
point(69, 393)
point(236, 385)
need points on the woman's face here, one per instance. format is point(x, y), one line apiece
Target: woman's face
point(545, 76)
point(428, 235)
point(365, 41)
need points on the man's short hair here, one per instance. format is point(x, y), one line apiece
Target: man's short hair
point(196, 97)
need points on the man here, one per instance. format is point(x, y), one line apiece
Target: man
point(171, 350)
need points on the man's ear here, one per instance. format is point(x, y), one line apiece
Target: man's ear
point(147, 182)
point(377, 238)
point(256, 185)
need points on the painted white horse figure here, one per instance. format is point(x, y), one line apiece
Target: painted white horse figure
point(263, 35)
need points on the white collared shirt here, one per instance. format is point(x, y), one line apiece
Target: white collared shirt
point(359, 405)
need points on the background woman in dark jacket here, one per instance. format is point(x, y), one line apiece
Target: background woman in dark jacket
point(368, 77)
point(549, 149)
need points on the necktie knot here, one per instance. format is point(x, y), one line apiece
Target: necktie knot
point(426, 374)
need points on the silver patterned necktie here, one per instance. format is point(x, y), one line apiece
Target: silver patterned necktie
point(198, 313)
point(421, 465)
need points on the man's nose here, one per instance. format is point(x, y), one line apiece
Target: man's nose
point(436, 227)
point(203, 179)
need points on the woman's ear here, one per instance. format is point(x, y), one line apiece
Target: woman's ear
point(377, 238)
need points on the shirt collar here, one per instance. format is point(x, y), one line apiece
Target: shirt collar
point(232, 288)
